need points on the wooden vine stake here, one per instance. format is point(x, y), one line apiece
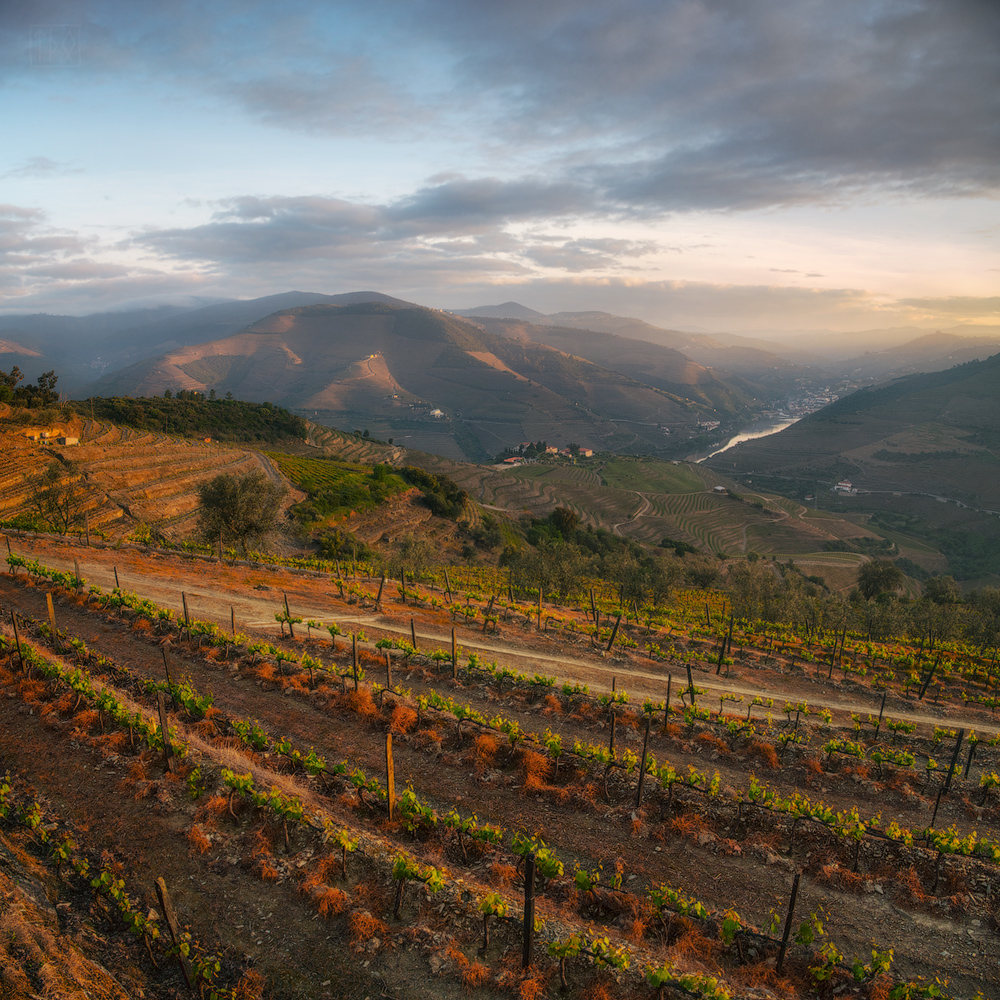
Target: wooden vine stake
point(52, 615)
point(378, 598)
point(529, 910)
point(77, 577)
point(184, 602)
point(288, 615)
point(413, 635)
point(388, 671)
point(354, 655)
point(614, 632)
point(968, 762)
point(642, 765)
point(881, 712)
point(171, 918)
point(166, 664)
point(402, 585)
point(666, 704)
point(454, 657)
point(168, 750)
point(447, 584)
point(788, 924)
point(17, 639)
point(691, 690)
point(390, 777)
point(232, 619)
point(954, 759)
point(118, 586)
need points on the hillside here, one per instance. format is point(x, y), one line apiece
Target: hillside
point(655, 365)
point(82, 348)
point(929, 353)
point(117, 478)
point(765, 370)
point(922, 454)
point(388, 369)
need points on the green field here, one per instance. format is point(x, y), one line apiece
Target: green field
point(651, 476)
point(337, 487)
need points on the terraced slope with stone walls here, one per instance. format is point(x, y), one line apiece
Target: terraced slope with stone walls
point(119, 478)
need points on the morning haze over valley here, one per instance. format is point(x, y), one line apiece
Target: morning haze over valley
point(500, 500)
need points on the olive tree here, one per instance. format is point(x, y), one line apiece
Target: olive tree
point(238, 508)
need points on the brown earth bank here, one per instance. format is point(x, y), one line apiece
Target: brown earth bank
point(724, 855)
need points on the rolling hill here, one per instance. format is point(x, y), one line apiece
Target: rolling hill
point(922, 455)
point(436, 382)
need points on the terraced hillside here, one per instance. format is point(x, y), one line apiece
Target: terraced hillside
point(649, 500)
point(118, 477)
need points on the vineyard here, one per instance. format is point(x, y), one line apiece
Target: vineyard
point(709, 806)
point(120, 477)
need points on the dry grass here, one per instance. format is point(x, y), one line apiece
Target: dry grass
point(364, 927)
point(475, 975)
point(198, 839)
point(359, 703)
point(502, 875)
point(329, 900)
point(833, 874)
point(711, 741)
point(403, 719)
point(483, 752)
point(250, 987)
point(267, 871)
point(535, 768)
point(762, 752)
point(695, 947)
point(211, 809)
point(759, 975)
point(687, 825)
point(880, 988)
point(34, 961)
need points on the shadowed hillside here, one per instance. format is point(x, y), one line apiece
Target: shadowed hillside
point(922, 456)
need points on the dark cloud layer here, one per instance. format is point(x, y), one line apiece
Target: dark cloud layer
point(652, 104)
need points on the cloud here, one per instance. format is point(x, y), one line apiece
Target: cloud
point(964, 306)
point(77, 270)
point(668, 106)
point(250, 228)
point(25, 238)
point(588, 254)
point(40, 166)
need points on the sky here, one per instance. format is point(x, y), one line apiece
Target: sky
point(716, 165)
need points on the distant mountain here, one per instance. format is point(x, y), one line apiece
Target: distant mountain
point(759, 374)
point(439, 381)
point(652, 364)
point(223, 319)
point(80, 348)
point(931, 353)
point(506, 310)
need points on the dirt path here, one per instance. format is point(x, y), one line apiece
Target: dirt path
point(216, 593)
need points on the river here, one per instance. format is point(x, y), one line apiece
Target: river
point(758, 430)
